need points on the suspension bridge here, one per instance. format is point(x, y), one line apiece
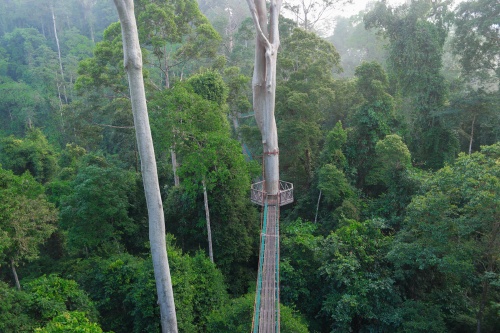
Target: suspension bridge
point(266, 309)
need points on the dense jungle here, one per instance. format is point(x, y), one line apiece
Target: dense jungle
point(389, 129)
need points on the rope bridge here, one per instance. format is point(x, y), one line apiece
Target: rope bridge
point(266, 309)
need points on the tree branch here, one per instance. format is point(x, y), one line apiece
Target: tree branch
point(260, 34)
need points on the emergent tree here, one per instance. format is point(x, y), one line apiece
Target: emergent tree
point(133, 66)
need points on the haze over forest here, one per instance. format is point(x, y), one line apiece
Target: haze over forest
point(389, 127)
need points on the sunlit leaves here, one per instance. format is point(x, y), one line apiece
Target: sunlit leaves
point(73, 321)
point(26, 218)
point(51, 296)
point(33, 154)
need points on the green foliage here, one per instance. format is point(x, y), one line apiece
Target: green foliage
point(346, 100)
point(360, 288)
point(392, 155)
point(52, 296)
point(101, 118)
point(449, 240)
point(28, 53)
point(303, 102)
point(105, 69)
point(425, 259)
point(95, 214)
point(396, 179)
point(334, 184)
point(30, 82)
point(236, 317)
point(416, 34)
point(14, 316)
point(177, 32)
point(199, 288)
point(124, 291)
point(183, 118)
point(73, 321)
point(305, 52)
point(332, 148)
point(43, 300)
point(243, 52)
point(473, 113)
point(440, 144)
point(233, 220)
point(372, 80)
point(109, 284)
point(371, 121)
point(238, 92)
point(418, 316)
point(69, 161)
point(198, 129)
point(27, 219)
point(300, 285)
point(20, 106)
point(210, 86)
point(75, 45)
point(476, 37)
point(33, 154)
point(341, 281)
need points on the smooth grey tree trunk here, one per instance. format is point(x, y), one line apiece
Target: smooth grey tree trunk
point(207, 216)
point(236, 124)
point(133, 66)
point(264, 85)
point(87, 14)
point(471, 135)
point(173, 156)
point(14, 272)
point(59, 53)
point(317, 208)
point(230, 30)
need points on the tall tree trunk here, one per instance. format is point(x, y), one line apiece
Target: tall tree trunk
point(59, 53)
point(60, 107)
point(230, 30)
point(317, 207)
point(173, 156)
point(14, 272)
point(133, 66)
point(236, 123)
point(471, 135)
point(87, 14)
point(207, 215)
point(264, 85)
point(482, 304)
point(264, 92)
point(165, 61)
point(92, 37)
point(491, 257)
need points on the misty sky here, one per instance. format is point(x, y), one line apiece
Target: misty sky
point(358, 5)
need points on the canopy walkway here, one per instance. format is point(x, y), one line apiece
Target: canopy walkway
point(266, 309)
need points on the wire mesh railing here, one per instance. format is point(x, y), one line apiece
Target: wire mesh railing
point(258, 193)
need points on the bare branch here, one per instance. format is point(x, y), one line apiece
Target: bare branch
point(260, 34)
point(113, 126)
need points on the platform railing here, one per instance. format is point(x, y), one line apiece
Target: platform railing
point(286, 193)
point(258, 193)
